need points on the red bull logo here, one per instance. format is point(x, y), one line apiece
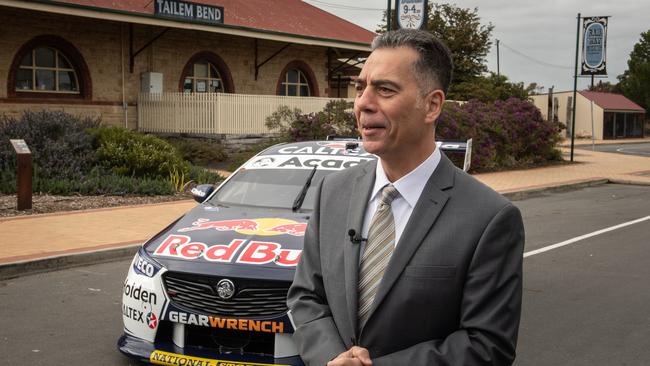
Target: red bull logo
point(259, 226)
point(237, 251)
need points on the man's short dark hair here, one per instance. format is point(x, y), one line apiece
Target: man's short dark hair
point(434, 61)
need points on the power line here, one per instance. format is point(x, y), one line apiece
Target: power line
point(547, 64)
point(344, 7)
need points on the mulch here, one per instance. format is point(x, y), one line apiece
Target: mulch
point(48, 203)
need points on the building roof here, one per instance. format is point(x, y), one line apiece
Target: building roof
point(293, 17)
point(612, 101)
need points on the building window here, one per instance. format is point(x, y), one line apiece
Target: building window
point(46, 69)
point(203, 78)
point(205, 72)
point(49, 67)
point(295, 84)
point(297, 79)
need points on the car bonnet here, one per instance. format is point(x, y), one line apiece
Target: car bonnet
point(232, 241)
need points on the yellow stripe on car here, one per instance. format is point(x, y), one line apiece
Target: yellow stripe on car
point(175, 359)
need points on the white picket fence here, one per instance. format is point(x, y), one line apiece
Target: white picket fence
point(215, 113)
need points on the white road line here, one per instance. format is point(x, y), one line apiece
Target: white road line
point(631, 151)
point(586, 236)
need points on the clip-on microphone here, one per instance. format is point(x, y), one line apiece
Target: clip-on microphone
point(355, 237)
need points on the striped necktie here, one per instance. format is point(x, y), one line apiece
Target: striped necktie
point(379, 248)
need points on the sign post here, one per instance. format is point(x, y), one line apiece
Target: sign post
point(594, 57)
point(24, 178)
point(575, 87)
point(411, 14)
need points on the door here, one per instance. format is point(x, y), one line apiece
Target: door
point(608, 126)
point(620, 125)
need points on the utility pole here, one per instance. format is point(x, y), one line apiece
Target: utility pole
point(498, 73)
point(575, 87)
point(388, 15)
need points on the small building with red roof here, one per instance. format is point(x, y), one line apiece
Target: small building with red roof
point(98, 57)
point(613, 115)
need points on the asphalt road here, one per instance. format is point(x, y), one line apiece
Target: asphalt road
point(640, 149)
point(585, 303)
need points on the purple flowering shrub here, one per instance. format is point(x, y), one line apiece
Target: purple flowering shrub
point(506, 134)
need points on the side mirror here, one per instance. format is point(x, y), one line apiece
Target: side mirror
point(201, 192)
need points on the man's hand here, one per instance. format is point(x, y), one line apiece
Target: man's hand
point(355, 356)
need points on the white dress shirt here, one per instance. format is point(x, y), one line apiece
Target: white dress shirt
point(410, 188)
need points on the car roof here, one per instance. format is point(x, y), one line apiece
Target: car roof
point(347, 147)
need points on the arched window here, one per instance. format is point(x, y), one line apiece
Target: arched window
point(203, 77)
point(48, 67)
point(295, 84)
point(297, 80)
point(205, 72)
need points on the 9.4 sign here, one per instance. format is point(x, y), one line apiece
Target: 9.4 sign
point(411, 14)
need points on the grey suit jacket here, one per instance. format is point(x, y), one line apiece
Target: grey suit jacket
point(451, 294)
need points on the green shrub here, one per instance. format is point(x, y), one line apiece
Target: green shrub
point(100, 182)
point(201, 175)
point(293, 125)
point(73, 155)
point(129, 153)
point(199, 151)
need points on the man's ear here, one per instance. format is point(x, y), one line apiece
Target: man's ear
point(434, 102)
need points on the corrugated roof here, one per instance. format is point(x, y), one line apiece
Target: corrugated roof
point(612, 101)
point(285, 16)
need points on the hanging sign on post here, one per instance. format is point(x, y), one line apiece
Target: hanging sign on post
point(411, 14)
point(594, 46)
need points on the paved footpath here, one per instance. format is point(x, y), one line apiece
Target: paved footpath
point(30, 244)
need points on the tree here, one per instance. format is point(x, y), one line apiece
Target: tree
point(534, 89)
point(635, 81)
point(461, 30)
point(605, 87)
point(490, 88)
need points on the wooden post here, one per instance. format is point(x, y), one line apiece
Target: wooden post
point(24, 176)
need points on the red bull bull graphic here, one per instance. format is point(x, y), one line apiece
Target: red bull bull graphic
point(291, 229)
point(222, 225)
point(254, 252)
point(258, 226)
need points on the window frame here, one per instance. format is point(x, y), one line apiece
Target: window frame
point(69, 52)
point(34, 68)
point(304, 68)
point(209, 78)
point(211, 59)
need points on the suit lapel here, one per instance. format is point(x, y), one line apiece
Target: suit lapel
point(425, 213)
point(360, 194)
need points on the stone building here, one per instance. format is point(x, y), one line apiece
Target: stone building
point(97, 57)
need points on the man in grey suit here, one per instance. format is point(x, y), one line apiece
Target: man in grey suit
point(408, 260)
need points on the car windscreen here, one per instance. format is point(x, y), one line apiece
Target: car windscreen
point(269, 188)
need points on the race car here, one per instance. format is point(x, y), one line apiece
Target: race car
point(210, 288)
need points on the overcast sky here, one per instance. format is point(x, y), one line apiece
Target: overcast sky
point(537, 37)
